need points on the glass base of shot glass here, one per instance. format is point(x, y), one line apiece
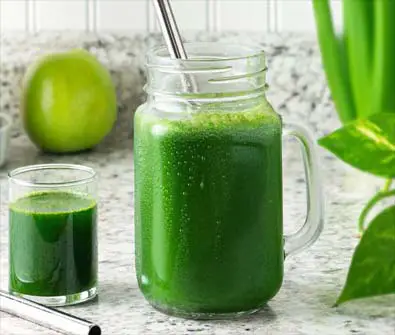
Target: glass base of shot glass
point(62, 300)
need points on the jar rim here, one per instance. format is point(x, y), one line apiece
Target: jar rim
point(13, 175)
point(223, 70)
point(160, 54)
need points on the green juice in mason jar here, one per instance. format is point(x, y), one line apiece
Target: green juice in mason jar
point(209, 198)
point(208, 184)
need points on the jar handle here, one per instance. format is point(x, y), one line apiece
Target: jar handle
point(314, 222)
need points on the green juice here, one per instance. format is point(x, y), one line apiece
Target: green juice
point(53, 249)
point(208, 210)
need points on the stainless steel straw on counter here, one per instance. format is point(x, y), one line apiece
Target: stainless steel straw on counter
point(46, 317)
point(172, 37)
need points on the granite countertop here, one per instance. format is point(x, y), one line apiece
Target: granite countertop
point(313, 278)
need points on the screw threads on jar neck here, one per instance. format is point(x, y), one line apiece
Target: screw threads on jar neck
point(221, 71)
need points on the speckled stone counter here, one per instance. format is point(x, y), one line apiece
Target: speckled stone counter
point(313, 277)
point(297, 83)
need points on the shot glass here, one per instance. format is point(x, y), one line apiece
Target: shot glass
point(53, 233)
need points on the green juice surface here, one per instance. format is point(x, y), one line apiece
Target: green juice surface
point(53, 248)
point(208, 210)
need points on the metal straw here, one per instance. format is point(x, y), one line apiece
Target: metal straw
point(169, 29)
point(172, 37)
point(45, 316)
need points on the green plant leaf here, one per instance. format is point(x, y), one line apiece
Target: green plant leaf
point(383, 78)
point(366, 144)
point(372, 270)
point(358, 25)
point(334, 60)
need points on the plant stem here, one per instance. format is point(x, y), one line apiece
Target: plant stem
point(379, 196)
point(334, 64)
point(387, 185)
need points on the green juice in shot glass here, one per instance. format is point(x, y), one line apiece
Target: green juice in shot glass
point(53, 233)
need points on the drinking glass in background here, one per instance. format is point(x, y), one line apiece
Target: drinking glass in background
point(53, 233)
point(5, 131)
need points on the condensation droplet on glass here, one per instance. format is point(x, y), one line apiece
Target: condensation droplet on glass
point(144, 279)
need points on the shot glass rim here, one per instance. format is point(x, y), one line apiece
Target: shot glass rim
point(13, 175)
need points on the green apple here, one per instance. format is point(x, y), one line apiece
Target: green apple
point(68, 102)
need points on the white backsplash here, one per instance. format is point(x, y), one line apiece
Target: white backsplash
point(138, 15)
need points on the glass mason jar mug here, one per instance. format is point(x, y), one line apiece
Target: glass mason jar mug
point(53, 233)
point(208, 184)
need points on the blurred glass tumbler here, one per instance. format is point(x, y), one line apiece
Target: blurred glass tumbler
point(53, 233)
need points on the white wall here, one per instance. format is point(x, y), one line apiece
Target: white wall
point(128, 15)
